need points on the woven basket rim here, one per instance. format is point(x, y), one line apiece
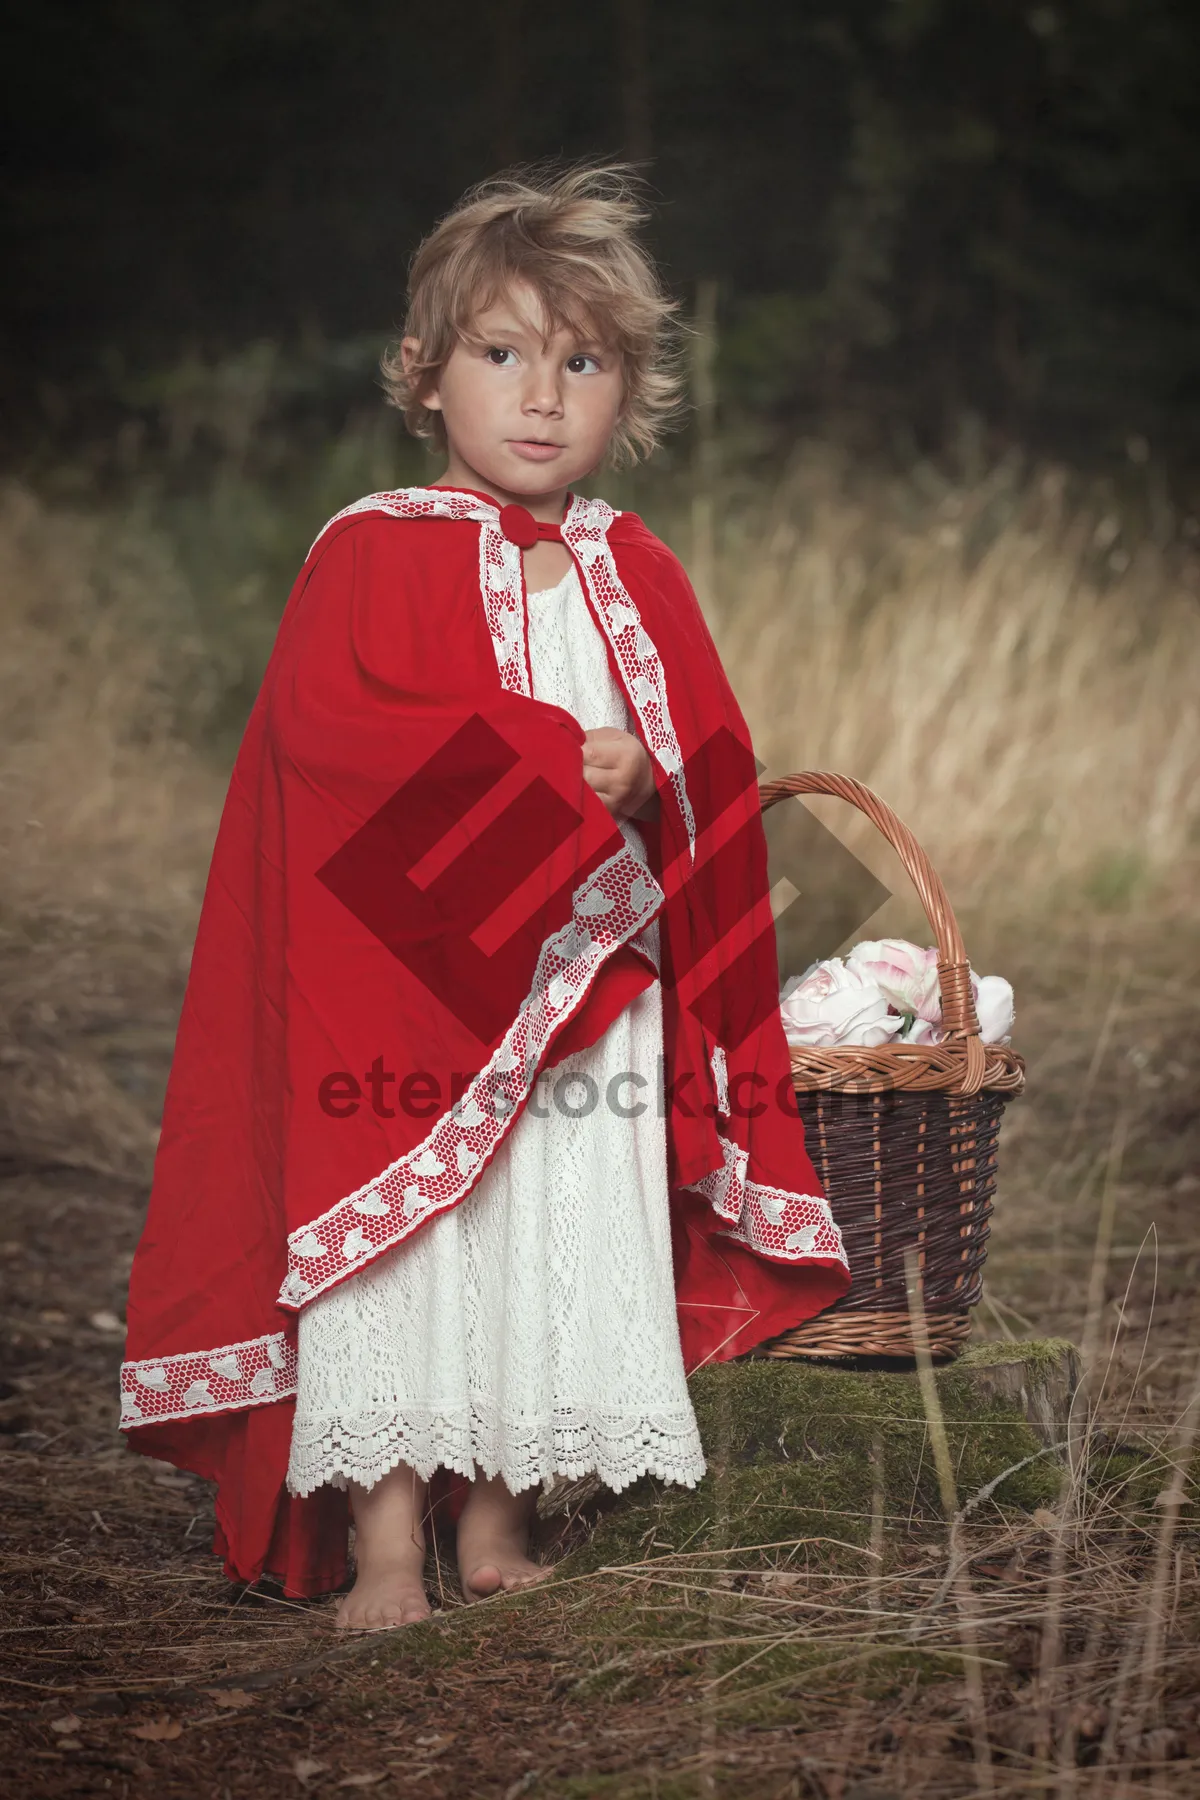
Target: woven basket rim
point(905, 1068)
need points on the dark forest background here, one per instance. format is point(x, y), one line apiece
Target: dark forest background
point(912, 209)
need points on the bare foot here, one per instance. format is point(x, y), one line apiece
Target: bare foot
point(389, 1548)
point(382, 1597)
point(493, 1541)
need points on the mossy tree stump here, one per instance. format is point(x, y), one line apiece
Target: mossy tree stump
point(831, 1457)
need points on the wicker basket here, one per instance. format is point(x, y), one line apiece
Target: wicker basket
point(904, 1139)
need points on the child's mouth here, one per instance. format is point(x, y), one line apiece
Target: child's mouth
point(534, 449)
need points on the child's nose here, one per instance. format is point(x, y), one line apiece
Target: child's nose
point(544, 392)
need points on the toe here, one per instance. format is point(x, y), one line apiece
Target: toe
point(522, 1581)
point(484, 1581)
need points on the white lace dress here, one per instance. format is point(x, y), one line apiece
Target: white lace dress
point(531, 1331)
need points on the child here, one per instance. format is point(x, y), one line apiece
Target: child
point(479, 1131)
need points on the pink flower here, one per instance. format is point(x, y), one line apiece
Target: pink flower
point(904, 972)
point(866, 998)
point(835, 1003)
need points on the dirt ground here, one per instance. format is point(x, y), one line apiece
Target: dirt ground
point(130, 1667)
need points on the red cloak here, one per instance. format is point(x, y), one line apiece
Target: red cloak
point(415, 903)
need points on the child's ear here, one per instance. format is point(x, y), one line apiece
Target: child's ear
point(410, 356)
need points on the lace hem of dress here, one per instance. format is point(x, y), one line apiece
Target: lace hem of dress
point(574, 1441)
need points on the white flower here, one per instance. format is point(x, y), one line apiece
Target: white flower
point(904, 972)
point(835, 1003)
point(994, 1004)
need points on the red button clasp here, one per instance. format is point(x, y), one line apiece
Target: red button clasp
point(519, 526)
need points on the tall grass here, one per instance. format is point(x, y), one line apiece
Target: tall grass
point(1005, 662)
point(106, 819)
point(103, 678)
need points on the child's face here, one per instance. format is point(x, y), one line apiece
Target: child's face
point(529, 418)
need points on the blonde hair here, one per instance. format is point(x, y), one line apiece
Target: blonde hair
point(571, 235)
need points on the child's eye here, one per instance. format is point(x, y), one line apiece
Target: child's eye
point(583, 365)
point(497, 356)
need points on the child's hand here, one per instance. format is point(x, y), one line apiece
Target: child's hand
point(618, 768)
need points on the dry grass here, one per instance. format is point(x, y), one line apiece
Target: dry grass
point(1021, 688)
point(987, 660)
point(106, 821)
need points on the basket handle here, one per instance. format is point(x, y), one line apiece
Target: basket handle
point(954, 979)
